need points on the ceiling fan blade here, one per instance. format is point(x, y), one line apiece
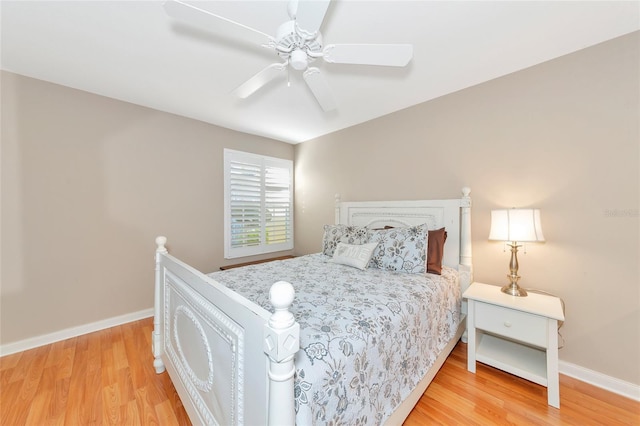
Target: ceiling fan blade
point(320, 89)
point(309, 16)
point(392, 55)
point(207, 20)
point(249, 87)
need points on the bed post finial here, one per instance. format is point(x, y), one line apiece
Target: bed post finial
point(281, 343)
point(281, 297)
point(160, 242)
point(337, 208)
point(466, 191)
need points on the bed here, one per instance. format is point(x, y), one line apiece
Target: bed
point(301, 340)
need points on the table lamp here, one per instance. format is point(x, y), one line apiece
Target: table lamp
point(515, 226)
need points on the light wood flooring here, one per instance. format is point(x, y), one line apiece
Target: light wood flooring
point(107, 378)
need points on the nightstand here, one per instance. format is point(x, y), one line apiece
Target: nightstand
point(518, 335)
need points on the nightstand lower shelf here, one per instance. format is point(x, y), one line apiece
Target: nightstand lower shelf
point(513, 357)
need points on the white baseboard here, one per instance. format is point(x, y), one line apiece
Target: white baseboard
point(594, 378)
point(600, 380)
point(68, 333)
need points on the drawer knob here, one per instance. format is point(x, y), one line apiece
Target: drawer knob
point(507, 323)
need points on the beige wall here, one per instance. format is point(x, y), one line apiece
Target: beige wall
point(87, 184)
point(562, 136)
point(84, 179)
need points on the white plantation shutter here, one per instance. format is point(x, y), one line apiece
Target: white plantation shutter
point(258, 204)
point(246, 201)
point(277, 197)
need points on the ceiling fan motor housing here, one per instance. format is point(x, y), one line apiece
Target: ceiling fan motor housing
point(293, 47)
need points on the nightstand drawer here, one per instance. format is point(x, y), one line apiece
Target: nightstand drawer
point(517, 325)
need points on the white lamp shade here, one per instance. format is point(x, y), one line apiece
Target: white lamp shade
point(516, 225)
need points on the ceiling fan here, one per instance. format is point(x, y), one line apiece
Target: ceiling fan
point(298, 42)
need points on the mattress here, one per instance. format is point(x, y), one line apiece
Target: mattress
point(366, 337)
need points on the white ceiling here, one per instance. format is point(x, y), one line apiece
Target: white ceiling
point(132, 51)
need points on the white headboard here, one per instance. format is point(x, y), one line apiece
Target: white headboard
point(453, 214)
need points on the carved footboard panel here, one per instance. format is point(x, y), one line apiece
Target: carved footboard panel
point(207, 350)
point(211, 342)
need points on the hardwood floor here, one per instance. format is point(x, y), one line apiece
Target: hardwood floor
point(102, 378)
point(493, 397)
point(107, 378)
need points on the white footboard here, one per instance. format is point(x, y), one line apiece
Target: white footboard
point(230, 360)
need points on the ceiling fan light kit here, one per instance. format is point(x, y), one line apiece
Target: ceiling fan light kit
point(298, 42)
point(298, 60)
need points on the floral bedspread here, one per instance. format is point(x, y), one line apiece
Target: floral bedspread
point(366, 337)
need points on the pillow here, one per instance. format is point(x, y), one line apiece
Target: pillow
point(334, 234)
point(357, 256)
point(400, 249)
point(435, 250)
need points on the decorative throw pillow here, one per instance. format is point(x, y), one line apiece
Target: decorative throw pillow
point(435, 250)
point(400, 249)
point(334, 234)
point(357, 256)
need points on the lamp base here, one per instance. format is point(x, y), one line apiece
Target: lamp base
point(514, 290)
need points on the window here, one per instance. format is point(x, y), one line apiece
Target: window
point(258, 204)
